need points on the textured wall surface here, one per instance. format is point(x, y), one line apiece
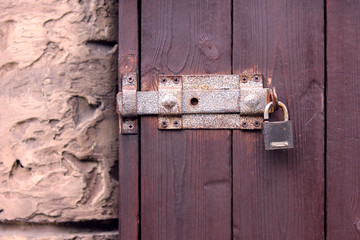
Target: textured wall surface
point(58, 124)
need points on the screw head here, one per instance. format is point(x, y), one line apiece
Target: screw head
point(169, 101)
point(256, 123)
point(176, 123)
point(257, 78)
point(244, 124)
point(164, 124)
point(244, 79)
point(176, 81)
point(130, 79)
point(163, 80)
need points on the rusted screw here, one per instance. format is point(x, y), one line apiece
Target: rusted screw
point(244, 124)
point(176, 80)
point(130, 79)
point(256, 123)
point(176, 124)
point(257, 78)
point(244, 79)
point(164, 124)
point(163, 80)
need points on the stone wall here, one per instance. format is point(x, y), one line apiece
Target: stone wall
point(58, 124)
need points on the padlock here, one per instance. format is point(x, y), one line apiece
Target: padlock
point(277, 135)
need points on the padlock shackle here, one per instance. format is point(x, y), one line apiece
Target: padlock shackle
point(284, 108)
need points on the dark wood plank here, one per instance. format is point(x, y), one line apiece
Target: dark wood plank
point(185, 175)
point(128, 144)
point(280, 194)
point(343, 120)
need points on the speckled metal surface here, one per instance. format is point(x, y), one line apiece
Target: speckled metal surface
point(129, 95)
point(148, 103)
point(170, 95)
point(210, 82)
point(211, 121)
point(128, 105)
point(204, 101)
point(211, 101)
point(251, 122)
point(170, 122)
point(170, 102)
point(253, 99)
point(129, 125)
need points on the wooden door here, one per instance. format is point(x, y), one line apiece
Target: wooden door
point(222, 184)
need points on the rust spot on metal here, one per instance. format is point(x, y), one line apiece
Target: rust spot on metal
point(199, 101)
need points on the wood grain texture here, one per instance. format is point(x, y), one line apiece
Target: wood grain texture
point(128, 144)
point(185, 175)
point(280, 194)
point(343, 121)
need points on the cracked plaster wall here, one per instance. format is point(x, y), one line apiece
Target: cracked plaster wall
point(58, 124)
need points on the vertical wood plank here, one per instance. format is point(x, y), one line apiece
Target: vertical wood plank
point(185, 175)
point(343, 121)
point(128, 144)
point(280, 194)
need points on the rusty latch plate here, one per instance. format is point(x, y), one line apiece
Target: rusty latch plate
point(197, 102)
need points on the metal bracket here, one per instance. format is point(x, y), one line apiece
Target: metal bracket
point(195, 102)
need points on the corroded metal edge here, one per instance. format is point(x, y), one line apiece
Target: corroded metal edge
point(128, 104)
point(210, 82)
point(211, 121)
point(197, 101)
point(253, 99)
point(170, 122)
point(170, 95)
point(251, 122)
point(210, 101)
point(129, 125)
point(170, 102)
